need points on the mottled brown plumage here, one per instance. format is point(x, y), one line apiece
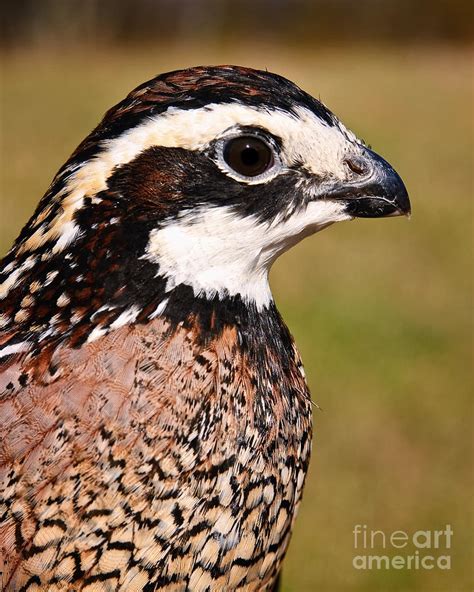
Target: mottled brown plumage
point(136, 459)
point(155, 423)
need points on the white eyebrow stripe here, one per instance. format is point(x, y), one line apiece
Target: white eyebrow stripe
point(305, 138)
point(302, 133)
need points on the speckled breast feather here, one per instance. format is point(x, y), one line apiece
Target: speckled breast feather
point(151, 460)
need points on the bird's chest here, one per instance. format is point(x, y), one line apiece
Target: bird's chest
point(168, 458)
point(217, 460)
point(225, 459)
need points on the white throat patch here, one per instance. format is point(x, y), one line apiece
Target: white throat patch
point(215, 251)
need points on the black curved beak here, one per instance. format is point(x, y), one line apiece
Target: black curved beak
point(375, 189)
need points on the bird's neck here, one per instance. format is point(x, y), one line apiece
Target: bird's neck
point(105, 279)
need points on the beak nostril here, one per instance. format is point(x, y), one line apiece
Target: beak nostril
point(356, 164)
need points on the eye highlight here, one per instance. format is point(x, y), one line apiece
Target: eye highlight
point(248, 156)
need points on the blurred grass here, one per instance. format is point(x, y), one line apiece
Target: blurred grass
point(381, 309)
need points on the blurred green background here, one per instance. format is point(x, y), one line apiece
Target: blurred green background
point(381, 309)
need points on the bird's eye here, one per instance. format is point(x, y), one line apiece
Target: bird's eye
point(248, 156)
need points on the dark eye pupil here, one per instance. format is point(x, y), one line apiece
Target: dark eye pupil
point(248, 156)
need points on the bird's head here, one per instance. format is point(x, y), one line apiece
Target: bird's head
point(201, 178)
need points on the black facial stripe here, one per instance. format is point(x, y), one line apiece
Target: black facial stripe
point(166, 181)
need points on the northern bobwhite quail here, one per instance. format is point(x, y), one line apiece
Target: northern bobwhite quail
point(155, 419)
